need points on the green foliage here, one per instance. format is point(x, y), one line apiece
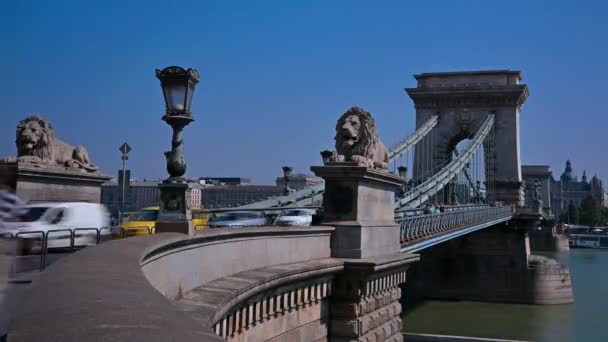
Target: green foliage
point(590, 212)
point(572, 216)
point(604, 218)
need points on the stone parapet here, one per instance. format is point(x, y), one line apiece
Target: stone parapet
point(260, 304)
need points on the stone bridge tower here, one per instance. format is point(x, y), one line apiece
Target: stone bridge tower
point(462, 100)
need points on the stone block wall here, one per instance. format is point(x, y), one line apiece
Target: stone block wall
point(367, 310)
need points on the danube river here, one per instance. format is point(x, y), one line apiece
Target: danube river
point(584, 321)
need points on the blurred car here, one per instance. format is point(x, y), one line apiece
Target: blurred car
point(295, 217)
point(58, 221)
point(143, 222)
point(238, 219)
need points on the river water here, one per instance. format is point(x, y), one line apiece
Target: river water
point(584, 321)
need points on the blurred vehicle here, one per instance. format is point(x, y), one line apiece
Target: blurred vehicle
point(295, 217)
point(58, 221)
point(143, 222)
point(237, 219)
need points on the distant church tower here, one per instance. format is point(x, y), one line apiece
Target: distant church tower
point(584, 180)
point(568, 175)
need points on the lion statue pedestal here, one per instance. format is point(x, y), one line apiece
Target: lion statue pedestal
point(359, 191)
point(48, 169)
point(359, 202)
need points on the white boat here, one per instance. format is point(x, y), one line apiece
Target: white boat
point(588, 240)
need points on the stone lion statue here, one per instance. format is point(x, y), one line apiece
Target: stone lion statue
point(37, 144)
point(357, 140)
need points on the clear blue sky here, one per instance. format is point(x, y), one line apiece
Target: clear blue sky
point(275, 75)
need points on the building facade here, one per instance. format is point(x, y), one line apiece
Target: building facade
point(208, 192)
point(299, 181)
point(227, 196)
point(568, 188)
point(224, 181)
point(138, 195)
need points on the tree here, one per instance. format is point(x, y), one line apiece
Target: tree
point(572, 213)
point(590, 213)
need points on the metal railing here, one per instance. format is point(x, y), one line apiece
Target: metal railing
point(42, 238)
point(405, 213)
point(198, 213)
point(423, 226)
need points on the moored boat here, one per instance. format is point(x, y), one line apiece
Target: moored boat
point(588, 240)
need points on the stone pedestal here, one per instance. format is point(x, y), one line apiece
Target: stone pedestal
point(41, 183)
point(359, 203)
point(175, 215)
point(365, 299)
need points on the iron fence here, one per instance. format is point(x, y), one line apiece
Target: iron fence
point(29, 240)
point(426, 225)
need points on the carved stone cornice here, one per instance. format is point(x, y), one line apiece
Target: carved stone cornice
point(468, 96)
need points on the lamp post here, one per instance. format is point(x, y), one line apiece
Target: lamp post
point(178, 86)
point(287, 176)
point(402, 170)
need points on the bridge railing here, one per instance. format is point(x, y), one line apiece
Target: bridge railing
point(62, 238)
point(401, 214)
point(423, 226)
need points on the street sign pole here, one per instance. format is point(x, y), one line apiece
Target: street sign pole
point(124, 148)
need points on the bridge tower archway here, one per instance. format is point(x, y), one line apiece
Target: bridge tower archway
point(462, 101)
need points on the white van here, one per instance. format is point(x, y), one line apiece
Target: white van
point(58, 220)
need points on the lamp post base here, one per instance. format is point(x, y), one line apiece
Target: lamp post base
point(175, 215)
point(183, 227)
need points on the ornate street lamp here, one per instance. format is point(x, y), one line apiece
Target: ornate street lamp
point(287, 176)
point(178, 88)
point(175, 193)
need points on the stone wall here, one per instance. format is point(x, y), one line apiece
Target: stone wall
point(217, 253)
